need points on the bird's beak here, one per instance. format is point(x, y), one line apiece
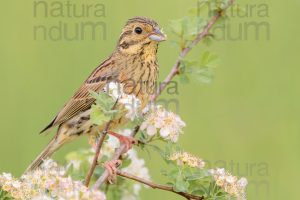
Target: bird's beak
point(157, 35)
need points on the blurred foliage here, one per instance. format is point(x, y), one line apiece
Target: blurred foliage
point(4, 195)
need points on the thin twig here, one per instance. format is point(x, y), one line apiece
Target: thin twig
point(158, 186)
point(98, 148)
point(174, 71)
point(97, 153)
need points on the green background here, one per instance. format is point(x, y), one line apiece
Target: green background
point(249, 115)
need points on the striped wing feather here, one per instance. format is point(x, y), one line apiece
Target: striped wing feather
point(82, 99)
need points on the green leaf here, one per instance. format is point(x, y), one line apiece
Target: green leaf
point(196, 174)
point(181, 185)
point(158, 150)
point(201, 69)
point(208, 59)
point(105, 101)
point(102, 111)
point(172, 174)
point(4, 195)
point(203, 75)
point(97, 116)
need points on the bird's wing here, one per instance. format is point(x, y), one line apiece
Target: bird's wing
point(82, 99)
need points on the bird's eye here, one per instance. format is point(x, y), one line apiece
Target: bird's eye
point(138, 30)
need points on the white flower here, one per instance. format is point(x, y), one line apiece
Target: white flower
point(220, 171)
point(151, 129)
point(137, 166)
point(242, 182)
point(131, 103)
point(167, 124)
point(136, 188)
point(230, 179)
point(7, 176)
point(109, 147)
point(16, 184)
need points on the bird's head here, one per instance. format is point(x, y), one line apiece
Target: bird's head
point(140, 34)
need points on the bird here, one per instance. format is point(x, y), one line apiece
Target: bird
point(132, 63)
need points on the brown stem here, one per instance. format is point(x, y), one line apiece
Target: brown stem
point(158, 186)
point(98, 148)
point(95, 160)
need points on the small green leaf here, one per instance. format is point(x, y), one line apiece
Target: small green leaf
point(97, 116)
point(105, 101)
point(181, 185)
point(208, 59)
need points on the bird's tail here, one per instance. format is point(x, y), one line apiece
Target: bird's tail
point(46, 153)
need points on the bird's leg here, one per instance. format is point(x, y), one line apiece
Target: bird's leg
point(111, 167)
point(128, 141)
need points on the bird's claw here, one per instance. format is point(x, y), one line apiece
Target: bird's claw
point(111, 167)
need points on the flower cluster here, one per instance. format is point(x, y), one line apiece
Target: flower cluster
point(184, 158)
point(12, 186)
point(168, 124)
point(231, 184)
point(131, 103)
point(47, 182)
point(128, 190)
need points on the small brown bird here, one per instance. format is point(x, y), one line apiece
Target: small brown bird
point(133, 61)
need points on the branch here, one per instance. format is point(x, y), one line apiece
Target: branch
point(98, 148)
point(97, 154)
point(159, 186)
point(174, 71)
